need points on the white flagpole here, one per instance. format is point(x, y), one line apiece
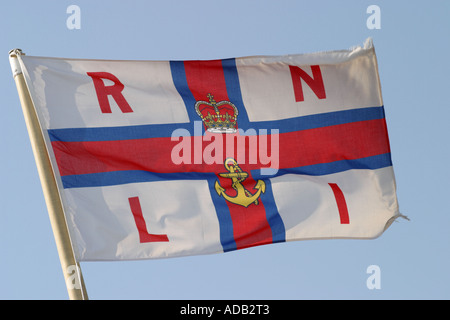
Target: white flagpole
point(70, 267)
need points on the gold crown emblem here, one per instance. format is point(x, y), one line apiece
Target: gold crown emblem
point(218, 117)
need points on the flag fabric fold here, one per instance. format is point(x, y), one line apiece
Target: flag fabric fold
point(157, 159)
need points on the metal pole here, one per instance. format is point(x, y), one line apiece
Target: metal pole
point(71, 269)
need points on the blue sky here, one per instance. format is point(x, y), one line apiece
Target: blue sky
point(412, 48)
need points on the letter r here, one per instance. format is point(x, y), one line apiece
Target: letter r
point(104, 91)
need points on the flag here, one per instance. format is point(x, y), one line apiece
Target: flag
point(157, 159)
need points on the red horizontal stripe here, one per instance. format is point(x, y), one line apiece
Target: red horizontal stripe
point(301, 148)
point(334, 143)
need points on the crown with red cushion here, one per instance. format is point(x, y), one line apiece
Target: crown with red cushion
point(218, 117)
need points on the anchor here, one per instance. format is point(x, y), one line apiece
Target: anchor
point(235, 173)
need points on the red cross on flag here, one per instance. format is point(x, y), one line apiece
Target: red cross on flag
point(157, 159)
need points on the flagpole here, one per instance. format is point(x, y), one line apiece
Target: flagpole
point(70, 266)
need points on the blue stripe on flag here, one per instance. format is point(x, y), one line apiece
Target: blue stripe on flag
point(166, 130)
point(112, 178)
point(133, 176)
point(273, 217)
point(371, 163)
point(223, 214)
point(180, 82)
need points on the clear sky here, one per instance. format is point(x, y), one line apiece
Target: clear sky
point(412, 46)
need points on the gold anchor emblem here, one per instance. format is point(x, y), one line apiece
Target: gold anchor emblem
point(243, 196)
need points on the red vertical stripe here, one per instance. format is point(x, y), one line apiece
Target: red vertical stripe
point(341, 203)
point(250, 225)
point(205, 77)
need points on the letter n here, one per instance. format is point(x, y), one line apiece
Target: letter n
point(104, 91)
point(315, 82)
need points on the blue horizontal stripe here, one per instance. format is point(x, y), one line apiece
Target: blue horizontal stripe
point(117, 133)
point(135, 176)
point(372, 163)
point(322, 119)
point(166, 130)
point(102, 179)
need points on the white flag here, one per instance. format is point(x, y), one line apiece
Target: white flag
point(159, 159)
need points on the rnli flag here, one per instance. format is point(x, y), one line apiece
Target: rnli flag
point(158, 159)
